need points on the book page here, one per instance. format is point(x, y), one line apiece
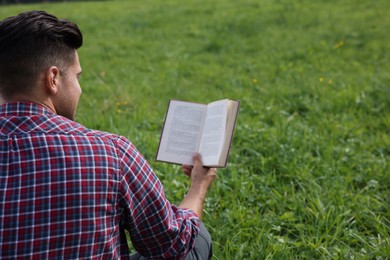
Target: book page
point(213, 135)
point(181, 134)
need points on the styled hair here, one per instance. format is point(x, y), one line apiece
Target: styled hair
point(32, 42)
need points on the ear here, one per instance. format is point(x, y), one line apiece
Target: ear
point(52, 79)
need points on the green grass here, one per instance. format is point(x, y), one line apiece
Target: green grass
point(308, 176)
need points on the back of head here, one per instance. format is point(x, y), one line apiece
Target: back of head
point(30, 43)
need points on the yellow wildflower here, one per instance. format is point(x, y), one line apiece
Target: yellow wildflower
point(339, 44)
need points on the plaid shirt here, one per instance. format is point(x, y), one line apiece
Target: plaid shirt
point(69, 192)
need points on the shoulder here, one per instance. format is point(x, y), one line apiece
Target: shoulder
point(78, 130)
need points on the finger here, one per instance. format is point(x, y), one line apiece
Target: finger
point(197, 159)
point(187, 169)
point(213, 171)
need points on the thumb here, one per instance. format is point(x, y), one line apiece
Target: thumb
point(197, 160)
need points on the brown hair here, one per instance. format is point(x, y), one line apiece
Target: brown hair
point(30, 43)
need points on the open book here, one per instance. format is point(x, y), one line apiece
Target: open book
point(192, 127)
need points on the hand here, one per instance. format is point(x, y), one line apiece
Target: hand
point(198, 173)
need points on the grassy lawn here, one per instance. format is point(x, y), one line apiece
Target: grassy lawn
point(308, 175)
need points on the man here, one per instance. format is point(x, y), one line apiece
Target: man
point(67, 191)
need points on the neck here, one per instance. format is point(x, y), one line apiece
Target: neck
point(46, 102)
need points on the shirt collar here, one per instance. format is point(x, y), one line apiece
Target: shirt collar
point(24, 109)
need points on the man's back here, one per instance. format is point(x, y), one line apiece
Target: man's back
point(58, 186)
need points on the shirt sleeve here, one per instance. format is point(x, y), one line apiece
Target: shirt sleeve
point(157, 228)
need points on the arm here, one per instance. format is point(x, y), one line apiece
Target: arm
point(201, 179)
point(157, 228)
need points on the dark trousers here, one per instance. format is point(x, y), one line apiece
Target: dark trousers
point(201, 251)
